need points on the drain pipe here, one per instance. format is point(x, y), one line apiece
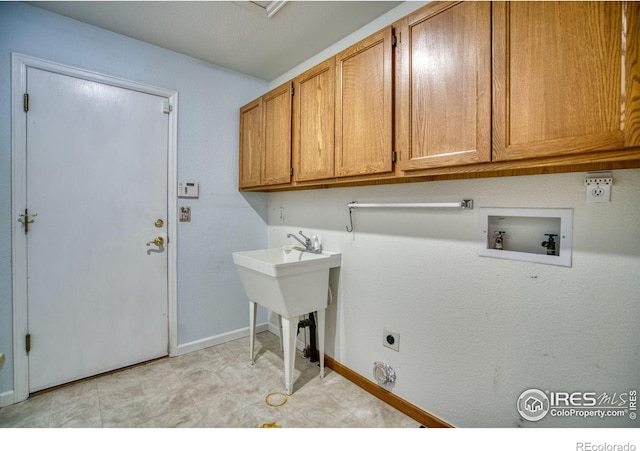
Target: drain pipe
point(312, 332)
point(311, 323)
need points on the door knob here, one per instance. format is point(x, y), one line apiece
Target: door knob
point(158, 241)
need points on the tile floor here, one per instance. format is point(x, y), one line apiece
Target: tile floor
point(212, 388)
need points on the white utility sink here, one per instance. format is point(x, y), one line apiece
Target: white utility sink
point(287, 281)
point(290, 283)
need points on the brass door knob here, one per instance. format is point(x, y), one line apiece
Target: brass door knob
point(158, 241)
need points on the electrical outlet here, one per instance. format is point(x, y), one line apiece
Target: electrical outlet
point(391, 340)
point(598, 194)
point(598, 186)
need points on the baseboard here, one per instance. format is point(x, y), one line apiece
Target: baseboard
point(7, 398)
point(218, 339)
point(273, 328)
point(422, 417)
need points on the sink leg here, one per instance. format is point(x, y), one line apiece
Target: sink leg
point(289, 342)
point(280, 330)
point(252, 328)
point(320, 320)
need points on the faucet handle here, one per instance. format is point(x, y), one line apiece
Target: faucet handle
point(307, 239)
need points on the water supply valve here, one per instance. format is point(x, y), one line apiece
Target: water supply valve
point(550, 244)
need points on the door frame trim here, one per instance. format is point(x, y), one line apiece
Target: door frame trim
point(19, 65)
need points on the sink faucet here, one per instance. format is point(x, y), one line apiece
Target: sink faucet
point(308, 246)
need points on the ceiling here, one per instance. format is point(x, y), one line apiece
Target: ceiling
point(237, 35)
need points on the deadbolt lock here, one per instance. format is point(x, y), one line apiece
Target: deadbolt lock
point(159, 223)
point(158, 241)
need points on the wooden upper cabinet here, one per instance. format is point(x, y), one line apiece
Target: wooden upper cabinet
point(364, 110)
point(566, 78)
point(313, 123)
point(251, 147)
point(276, 166)
point(443, 62)
point(265, 139)
point(470, 87)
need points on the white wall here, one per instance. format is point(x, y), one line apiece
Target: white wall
point(211, 300)
point(475, 332)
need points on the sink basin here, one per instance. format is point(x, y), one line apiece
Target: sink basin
point(287, 281)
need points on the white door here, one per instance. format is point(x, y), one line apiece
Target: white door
point(97, 180)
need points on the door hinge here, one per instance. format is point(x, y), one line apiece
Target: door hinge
point(28, 343)
point(293, 90)
point(26, 219)
point(25, 102)
point(394, 41)
point(167, 108)
point(291, 172)
point(394, 156)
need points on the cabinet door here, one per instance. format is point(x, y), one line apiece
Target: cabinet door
point(251, 147)
point(564, 73)
point(444, 86)
point(313, 136)
point(364, 106)
point(276, 166)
